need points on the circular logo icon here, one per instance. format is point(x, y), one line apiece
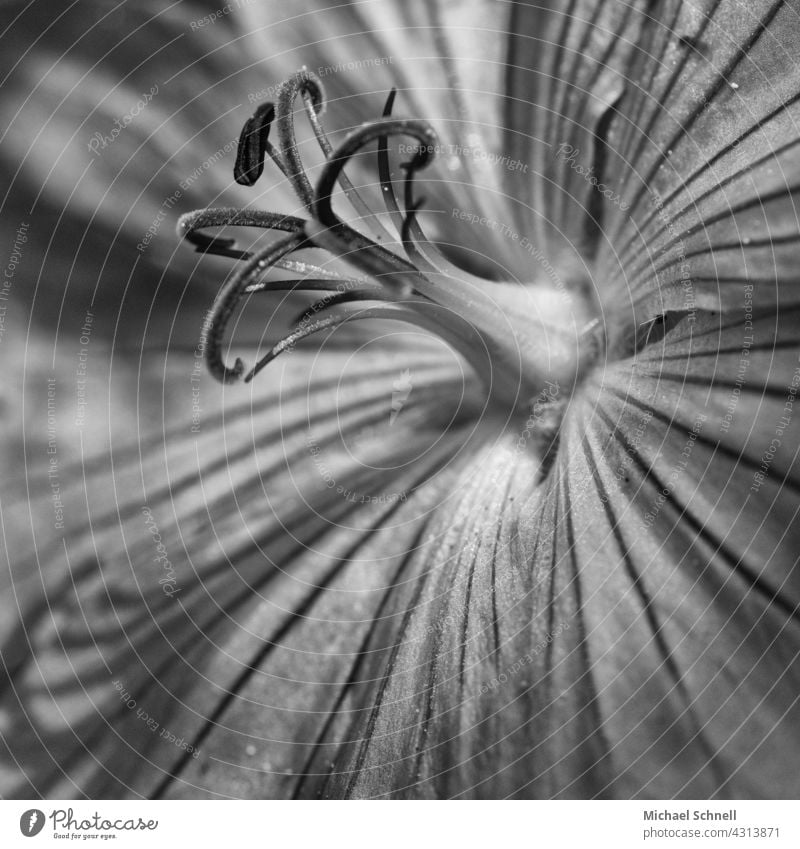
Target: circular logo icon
point(31, 822)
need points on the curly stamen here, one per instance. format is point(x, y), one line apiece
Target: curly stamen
point(513, 349)
point(390, 197)
point(370, 257)
point(374, 260)
point(306, 83)
point(190, 225)
point(389, 311)
point(331, 232)
point(416, 244)
point(232, 293)
point(384, 172)
point(307, 268)
point(307, 284)
point(354, 143)
point(337, 298)
point(410, 224)
point(360, 206)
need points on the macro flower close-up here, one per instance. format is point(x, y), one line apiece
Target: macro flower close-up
point(401, 400)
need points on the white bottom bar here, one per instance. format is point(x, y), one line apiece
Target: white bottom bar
point(412, 825)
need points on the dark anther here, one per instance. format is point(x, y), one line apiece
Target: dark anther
point(253, 144)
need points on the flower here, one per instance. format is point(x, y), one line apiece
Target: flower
point(565, 567)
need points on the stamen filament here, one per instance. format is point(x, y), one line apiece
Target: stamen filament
point(230, 296)
point(393, 312)
point(358, 203)
point(373, 293)
point(305, 83)
point(310, 284)
point(191, 223)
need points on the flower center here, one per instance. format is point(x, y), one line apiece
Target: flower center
point(523, 341)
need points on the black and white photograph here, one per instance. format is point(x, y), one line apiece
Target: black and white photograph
point(400, 402)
